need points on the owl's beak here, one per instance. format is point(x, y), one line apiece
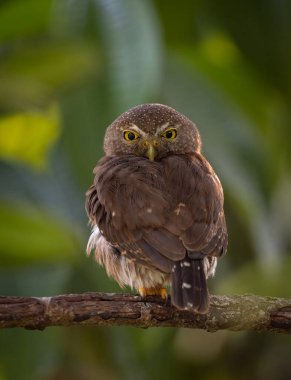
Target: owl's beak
point(151, 152)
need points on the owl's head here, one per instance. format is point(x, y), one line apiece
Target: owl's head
point(153, 131)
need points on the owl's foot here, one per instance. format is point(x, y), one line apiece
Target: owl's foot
point(162, 292)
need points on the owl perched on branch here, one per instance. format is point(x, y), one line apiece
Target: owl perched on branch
point(156, 207)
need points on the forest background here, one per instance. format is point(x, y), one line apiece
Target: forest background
point(67, 69)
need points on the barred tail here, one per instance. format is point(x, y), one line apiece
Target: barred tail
point(189, 287)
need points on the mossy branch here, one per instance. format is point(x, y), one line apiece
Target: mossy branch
point(236, 313)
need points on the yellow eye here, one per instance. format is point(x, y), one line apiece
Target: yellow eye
point(130, 135)
point(170, 134)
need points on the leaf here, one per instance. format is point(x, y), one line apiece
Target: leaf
point(23, 18)
point(29, 234)
point(27, 137)
point(31, 74)
point(133, 50)
point(219, 59)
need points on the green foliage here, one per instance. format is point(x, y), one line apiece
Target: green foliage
point(19, 19)
point(39, 236)
point(67, 69)
point(26, 137)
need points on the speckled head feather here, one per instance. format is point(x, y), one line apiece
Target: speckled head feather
point(150, 121)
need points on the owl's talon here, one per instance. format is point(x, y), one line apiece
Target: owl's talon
point(162, 292)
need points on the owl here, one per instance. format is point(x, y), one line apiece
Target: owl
point(156, 207)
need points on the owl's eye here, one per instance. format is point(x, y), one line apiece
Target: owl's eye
point(130, 135)
point(170, 134)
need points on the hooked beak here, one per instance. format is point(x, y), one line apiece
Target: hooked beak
point(151, 152)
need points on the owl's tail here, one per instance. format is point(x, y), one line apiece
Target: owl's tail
point(189, 287)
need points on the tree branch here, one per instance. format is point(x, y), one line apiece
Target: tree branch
point(236, 313)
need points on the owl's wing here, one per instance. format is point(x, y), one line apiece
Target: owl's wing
point(198, 216)
point(129, 203)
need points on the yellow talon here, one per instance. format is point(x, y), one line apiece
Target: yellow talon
point(162, 292)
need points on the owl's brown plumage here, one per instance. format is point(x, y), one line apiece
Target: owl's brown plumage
point(156, 206)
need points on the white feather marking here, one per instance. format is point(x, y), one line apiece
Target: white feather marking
point(209, 266)
point(185, 285)
point(162, 128)
point(178, 208)
point(93, 240)
point(186, 264)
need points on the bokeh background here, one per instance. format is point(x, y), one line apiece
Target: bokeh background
point(67, 69)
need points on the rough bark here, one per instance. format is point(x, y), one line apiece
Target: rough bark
point(236, 313)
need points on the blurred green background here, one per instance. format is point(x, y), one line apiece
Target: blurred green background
point(67, 69)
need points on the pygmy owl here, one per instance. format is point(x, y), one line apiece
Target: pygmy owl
point(156, 207)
